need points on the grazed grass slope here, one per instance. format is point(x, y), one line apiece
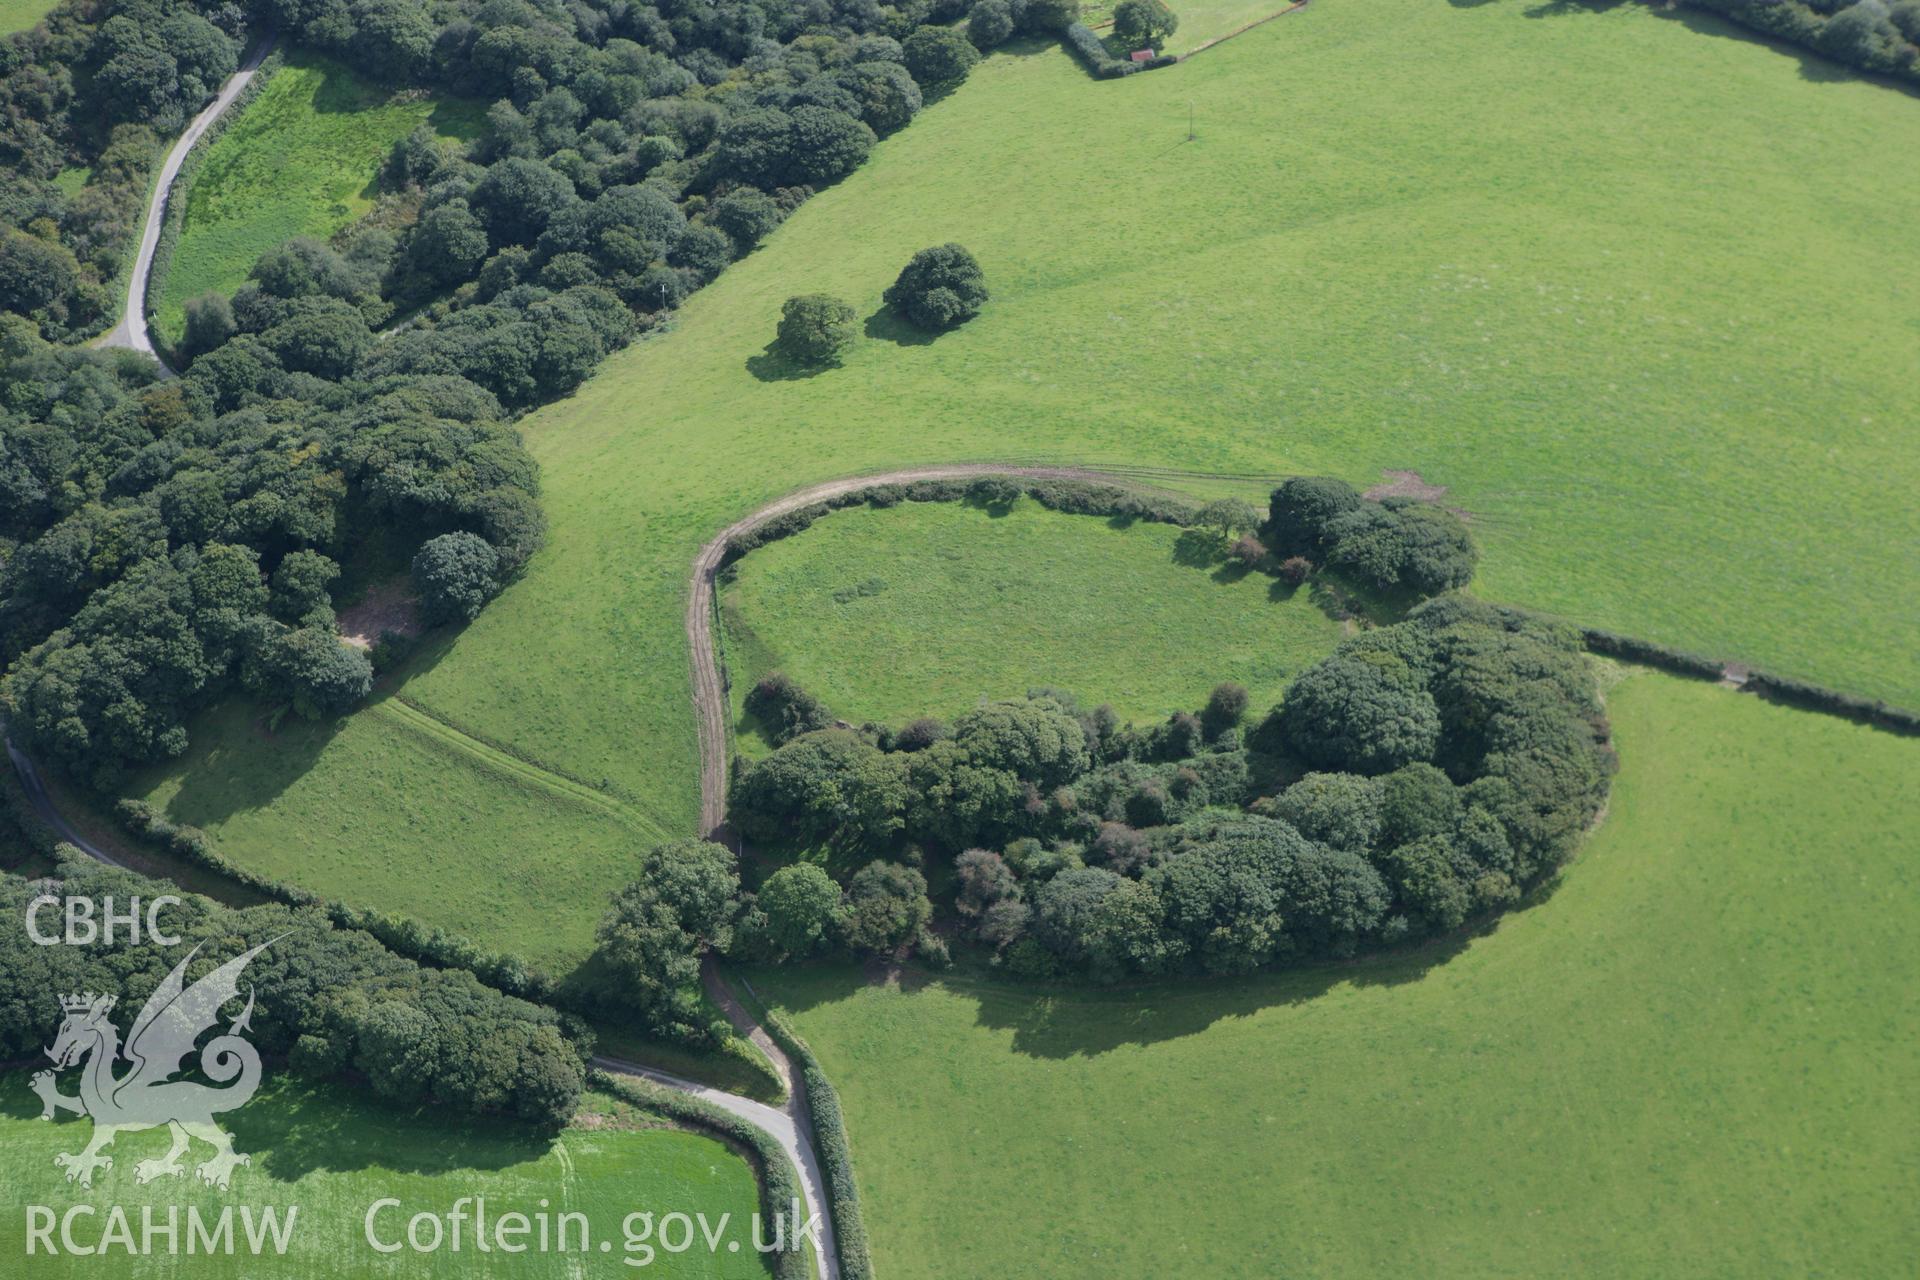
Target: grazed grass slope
point(410, 819)
point(19, 15)
point(1694, 1058)
point(300, 160)
point(928, 608)
point(333, 1154)
point(1621, 286)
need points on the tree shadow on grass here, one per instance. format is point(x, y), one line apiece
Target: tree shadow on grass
point(1061, 1020)
point(774, 365)
point(252, 768)
point(298, 1128)
point(293, 1128)
point(887, 325)
point(1814, 67)
point(1205, 549)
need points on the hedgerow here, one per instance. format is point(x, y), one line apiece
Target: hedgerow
point(830, 1144)
point(1092, 51)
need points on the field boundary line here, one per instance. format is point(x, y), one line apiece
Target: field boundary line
point(434, 726)
point(1205, 45)
point(709, 688)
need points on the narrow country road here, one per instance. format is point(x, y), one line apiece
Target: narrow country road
point(43, 805)
point(132, 330)
point(791, 1126)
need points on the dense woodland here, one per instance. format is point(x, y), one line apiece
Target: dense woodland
point(332, 1002)
point(1424, 774)
point(163, 542)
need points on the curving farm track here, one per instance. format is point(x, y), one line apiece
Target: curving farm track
point(709, 686)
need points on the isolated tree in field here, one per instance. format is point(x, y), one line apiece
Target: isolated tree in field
point(939, 289)
point(802, 907)
point(1143, 24)
point(939, 58)
point(455, 575)
point(989, 25)
point(817, 329)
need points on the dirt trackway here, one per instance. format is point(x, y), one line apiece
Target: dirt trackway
point(709, 689)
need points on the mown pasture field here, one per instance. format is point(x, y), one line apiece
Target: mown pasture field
point(333, 1154)
point(299, 160)
point(1595, 272)
point(1694, 1057)
point(19, 15)
point(931, 608)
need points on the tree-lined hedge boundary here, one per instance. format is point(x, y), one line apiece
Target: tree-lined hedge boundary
point(1089, 497)
point(174, 205)
point(1092, 52)
point(779, 1183)
point(831, 1146)
point(1072, 497)
point(423, 943)
point(1785, 690)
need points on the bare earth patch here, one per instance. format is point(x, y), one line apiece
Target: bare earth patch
point(390, 606)
point(1406, 484)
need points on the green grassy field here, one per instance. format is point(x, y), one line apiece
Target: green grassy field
point(19, 15)
point(333, 1154)
point(1695, 1058)
point(929, 608)
point(446, 829)
point(300, 160)
point(1600, 274)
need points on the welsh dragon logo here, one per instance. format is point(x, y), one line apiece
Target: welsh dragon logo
point(147, 1096)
